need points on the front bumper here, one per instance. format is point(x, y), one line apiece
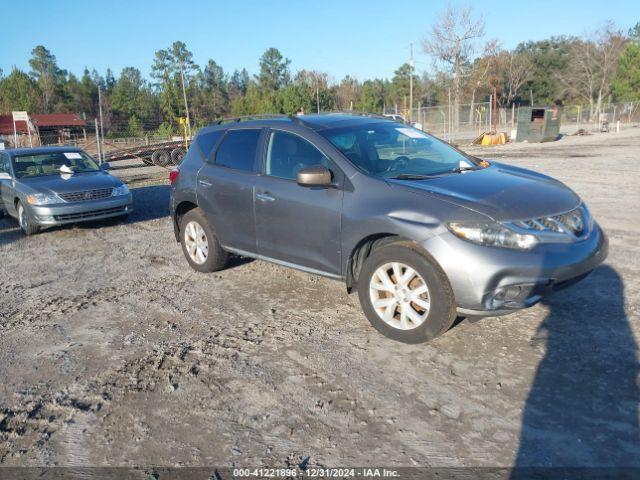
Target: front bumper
point(64, 213)
point(489, 281)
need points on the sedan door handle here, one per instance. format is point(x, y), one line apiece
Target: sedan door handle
point(204, 183)
point(265, 197)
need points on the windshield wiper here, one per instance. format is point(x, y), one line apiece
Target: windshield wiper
point(411, 176)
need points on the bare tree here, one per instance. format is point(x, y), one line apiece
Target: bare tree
point(593, 63)
point(480, 72)
point(517, 69)
point(451, 42)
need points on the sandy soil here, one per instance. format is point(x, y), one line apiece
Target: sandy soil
point(114, 352)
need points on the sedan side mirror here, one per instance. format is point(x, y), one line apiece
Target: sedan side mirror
point(314, 176)
point(105, 166)
point(5, 176)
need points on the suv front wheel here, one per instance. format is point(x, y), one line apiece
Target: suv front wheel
point(404, 294)
point(200, 243)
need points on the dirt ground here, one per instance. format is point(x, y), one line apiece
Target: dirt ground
point(114, 352)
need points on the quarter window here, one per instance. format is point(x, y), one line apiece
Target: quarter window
point(238, 150)
point(206, 142)
point(4, 163)
point(287, 154)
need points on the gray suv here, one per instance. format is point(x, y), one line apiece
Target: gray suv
point(420, 229)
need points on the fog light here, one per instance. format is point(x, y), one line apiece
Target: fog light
point(508, 293)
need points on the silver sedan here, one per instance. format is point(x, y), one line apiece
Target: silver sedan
point(56, 186)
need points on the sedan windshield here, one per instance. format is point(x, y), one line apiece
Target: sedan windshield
point(50, 163)
point(393, 150)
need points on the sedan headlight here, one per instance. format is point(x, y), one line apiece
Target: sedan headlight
point(494, 235)
point(43, 199)
point(121, 190)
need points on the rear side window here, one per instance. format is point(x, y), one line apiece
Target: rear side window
point(206, 142)
point(238, 150)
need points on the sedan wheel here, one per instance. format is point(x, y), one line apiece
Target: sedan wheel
point(25, 222)
point(195, 239)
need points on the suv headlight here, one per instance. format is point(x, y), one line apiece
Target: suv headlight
point(42, 199)
point(494, 235)
point(121, 190)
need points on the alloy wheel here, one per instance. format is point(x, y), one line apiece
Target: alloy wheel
point(399, 296)
point(195, 239)
point(22, 218)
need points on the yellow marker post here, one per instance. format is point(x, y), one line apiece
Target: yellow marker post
point(183, 122)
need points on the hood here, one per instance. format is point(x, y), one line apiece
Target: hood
point(75, 183)
point(502, 192)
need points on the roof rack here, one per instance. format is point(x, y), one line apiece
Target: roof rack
point(299, 119)
point(356, 112)
point(246, 118)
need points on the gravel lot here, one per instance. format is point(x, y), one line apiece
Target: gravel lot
point(114, 352)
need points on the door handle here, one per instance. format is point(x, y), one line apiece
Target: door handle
point(204, 183)
point(265, 197)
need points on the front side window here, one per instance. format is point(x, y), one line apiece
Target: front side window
point(238, 150)
point(287, 154)
point(390, 150)
point(45, 164)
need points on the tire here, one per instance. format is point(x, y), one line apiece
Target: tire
point(161, 158)
point(409, 320)
point(192, 226)
point(25, 221)
point(177, 154)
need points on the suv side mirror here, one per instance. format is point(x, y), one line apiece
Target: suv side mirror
point(314, 176)
point(5, 176)
point(105, 166)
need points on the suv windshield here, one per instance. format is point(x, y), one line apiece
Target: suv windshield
point(393, 150)
point(50, 163)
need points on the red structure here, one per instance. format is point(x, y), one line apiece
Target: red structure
point(50, 128)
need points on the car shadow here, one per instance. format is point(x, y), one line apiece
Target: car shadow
point(149, 203)
point(582, 409)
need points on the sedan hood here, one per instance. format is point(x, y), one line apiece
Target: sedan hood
point(75, 183)
point(502, 192)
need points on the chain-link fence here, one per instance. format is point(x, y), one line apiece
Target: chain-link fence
point(469, 121)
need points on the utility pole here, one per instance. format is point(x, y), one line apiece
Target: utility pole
point(318, 94)
point(184, 95)
point(98, 142)
point(495, 111)
point(101, 123)
point(410, 81)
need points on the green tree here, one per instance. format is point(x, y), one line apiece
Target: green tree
point(626, 83)
point(45, 71)
point(296, 97)
point(274, 71)
point(239, 82)
point(372, 96)
point(131, 97)
point(18, 91)
point(215, 90)
point(168, 69)
point(634, 33)
point(548, 58)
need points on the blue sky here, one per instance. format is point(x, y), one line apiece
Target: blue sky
point(363, 38)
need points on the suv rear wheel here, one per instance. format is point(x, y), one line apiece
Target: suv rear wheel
point(200, 243)
point(405, 295)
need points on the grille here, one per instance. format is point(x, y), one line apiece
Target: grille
point(86, 195)
point(92, 214)
point(572, 223)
